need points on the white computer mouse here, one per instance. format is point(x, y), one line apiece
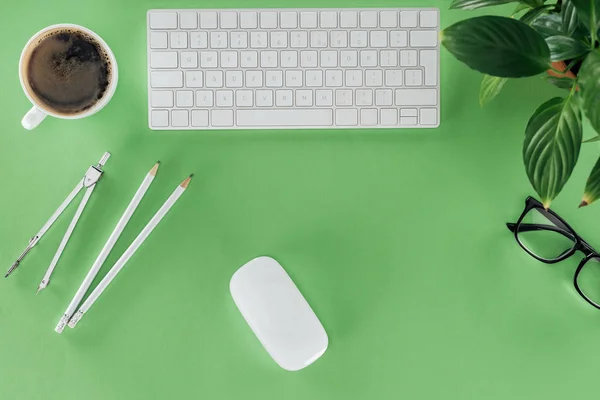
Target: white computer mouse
point(278, 314)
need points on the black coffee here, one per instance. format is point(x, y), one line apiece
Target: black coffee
point(68, 71)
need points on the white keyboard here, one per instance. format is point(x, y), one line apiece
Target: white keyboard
point(293, 68)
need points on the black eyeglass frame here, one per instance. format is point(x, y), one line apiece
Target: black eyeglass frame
point(563, 228)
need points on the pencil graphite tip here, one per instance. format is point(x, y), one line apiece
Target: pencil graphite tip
point(186, 182)
point(11, 269)
point(154, 169)
point(39, 289)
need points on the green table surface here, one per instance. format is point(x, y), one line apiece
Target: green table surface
point(395, 237)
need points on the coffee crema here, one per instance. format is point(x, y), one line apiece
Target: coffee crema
point(67, 71)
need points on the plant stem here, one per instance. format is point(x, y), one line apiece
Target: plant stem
point(571, 65)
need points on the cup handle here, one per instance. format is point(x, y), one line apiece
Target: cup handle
point(33, 118)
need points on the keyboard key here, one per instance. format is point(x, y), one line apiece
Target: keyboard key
point(166, 20)
point(199, 40)
point(368, 19)
point(214, 79)
point(304, 98)
point(284, 118)
point(314, 78)
point(184, 98)
point(373, 78)
point(234, 79)
point(204, 98)
point(398, 39)
point(329, 59)
point(159, 118)
point(318, 39)
point(333, 78)
point(221, 118)
point(389, 117)
point(408, 121)
point(343, 97)
point(284, 98)
point(163, 59)
point(249, 59)
point(388, 58)
point(423, 39)
point(268, 20)
point(258, 40)
point(368, 58)
point(349, 58)
point(158, 40)
point(254, 79)
point(274, 79)
point(188, 20)
point(166, 79)
point(388, 19)
point(248, 20)
point(368, 116)
point(364, 97)
point(161, 98)
point(268, 59)
point(289, 59)
point(299, 39)
point(393, 77)
point(208, 59)
point(244, 98)
point(193, 79)
point(288, 20)
point(428, 116)
point(308, 59)
point(179, 40)
point(348, 19)
point(339, 39)
point(409, 112)
point(189, 59)
point(378, 39)
point(416, 97)
point(264, 98)
point(408, 19)
point(358, 39)
point(199, 118)
point(228, 20)
point(180, 118)
point(279, 39)
point(239, 40)
point(308, 19)
point(408, 58)
point(429, 61)
point(218, 40)
point(346, 117)
point(224, 98)
point(384, 97)
point(413, 77)
point(293, 78)
point(354, 78)
point(429, 19)
point(324, 98)
point(229, 59)
point(208, 20)
point(328, 19)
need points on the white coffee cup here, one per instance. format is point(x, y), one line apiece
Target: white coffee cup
point(39, 111)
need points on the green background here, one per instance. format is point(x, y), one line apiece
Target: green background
point(395, 237)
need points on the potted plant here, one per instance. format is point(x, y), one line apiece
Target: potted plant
point(557, 38)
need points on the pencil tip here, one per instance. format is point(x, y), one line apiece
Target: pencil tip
point(154, 169)
point(186, 182)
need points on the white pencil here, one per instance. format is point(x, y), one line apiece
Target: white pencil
point(89, 302)
point(110, 243)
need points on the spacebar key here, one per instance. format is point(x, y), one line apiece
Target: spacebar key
point(284, 118)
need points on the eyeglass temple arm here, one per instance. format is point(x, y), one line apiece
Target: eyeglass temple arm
point(538, 227)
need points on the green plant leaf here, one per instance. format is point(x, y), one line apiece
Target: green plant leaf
point(533, 3)
point(533, 14)
point(548, 25)
point(498, 46)
point(589, 13)
point(562, 83)
point(474, 4)
point(551, 146)
point(490, 88)
point(592, 186)
point(589, 84)
point(520, 7)
point(570, 20)
point(594, 139)
point(565, 48)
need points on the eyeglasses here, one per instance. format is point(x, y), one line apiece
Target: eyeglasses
point(548, 238)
